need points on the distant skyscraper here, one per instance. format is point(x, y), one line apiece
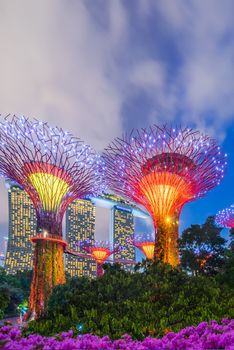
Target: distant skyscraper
point(80, 226)
point(122, 229)
point(22, 226)
point(5, 242)
point(2, 259)
point(3, 250)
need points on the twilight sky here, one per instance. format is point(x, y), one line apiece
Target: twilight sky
point(101, 67)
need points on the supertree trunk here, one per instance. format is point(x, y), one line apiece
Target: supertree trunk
point(100, 271)
point(48, 272)
point(166, 240)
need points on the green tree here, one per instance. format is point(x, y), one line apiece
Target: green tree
point(202, 248)
point(15, 297)
point(4, 301)
point(24, 279)
point(15, 288)
point(231, 235)
point(226, 276)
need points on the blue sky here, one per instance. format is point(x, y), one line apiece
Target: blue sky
point(99, 68)
point(221, 197)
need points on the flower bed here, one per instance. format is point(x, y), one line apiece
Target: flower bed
point(205, 336)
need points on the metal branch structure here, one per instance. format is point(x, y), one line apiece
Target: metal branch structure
point(162, 168)
point(225, 217)
point(146, 244)
point(54, 168)
point(100, 251)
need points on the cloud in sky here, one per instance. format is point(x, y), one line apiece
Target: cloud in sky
point(56, 64)
point(98, 67)
point(194, 52)
point(84, 64)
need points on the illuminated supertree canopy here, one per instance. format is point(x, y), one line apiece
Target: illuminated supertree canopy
point(162, 169)
point(225, 217)
point(146, 244)
point(100, 251)
point(54, 168)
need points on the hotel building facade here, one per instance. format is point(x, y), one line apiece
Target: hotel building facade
point(122, 230)
point(80, 226)
point(22, 226)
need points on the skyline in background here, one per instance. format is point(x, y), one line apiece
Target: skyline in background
point(99, 69)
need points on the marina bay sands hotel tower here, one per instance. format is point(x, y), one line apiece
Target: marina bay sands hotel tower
point(22, 226)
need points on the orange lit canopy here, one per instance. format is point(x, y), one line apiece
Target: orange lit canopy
point(100, 254)
point(147, 248)
point(50, 182)
point(165, 185)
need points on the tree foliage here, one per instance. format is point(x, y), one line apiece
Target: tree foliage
point(231, 234)
point(13, 289)
point(4, 301)
point(151, 301)
point(202, 248)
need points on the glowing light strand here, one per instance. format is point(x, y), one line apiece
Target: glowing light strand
point(225, 217)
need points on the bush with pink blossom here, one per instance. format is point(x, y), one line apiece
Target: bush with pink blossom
point(205, 336)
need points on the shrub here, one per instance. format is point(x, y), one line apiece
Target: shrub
point(152, 302)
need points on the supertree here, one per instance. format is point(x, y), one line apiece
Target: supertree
point(146, 244)
point(162, 169)
point(225, 217)
point(100, 251)
point(54, 168)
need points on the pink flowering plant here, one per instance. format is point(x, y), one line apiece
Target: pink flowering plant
point(204, 336)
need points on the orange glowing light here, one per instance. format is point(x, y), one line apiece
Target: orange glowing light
point(147, 248)
point(165, 192)
point(100, 254)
